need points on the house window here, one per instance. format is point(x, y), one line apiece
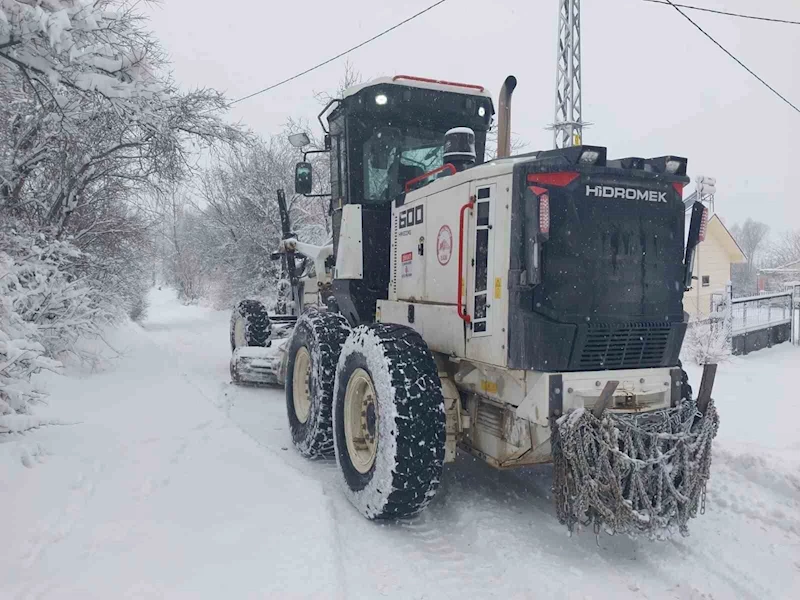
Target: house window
point(706, 281)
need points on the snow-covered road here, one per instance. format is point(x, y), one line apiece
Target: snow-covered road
point(173, 483)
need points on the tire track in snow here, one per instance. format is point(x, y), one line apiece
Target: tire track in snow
point(223, 402)
point(60, 527)
point(447, 564)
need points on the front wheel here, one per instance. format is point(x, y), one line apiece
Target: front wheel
point(310, 371)
point(388, 421)
point(250, 325)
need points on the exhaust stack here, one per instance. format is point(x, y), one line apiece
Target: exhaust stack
point(504, 118)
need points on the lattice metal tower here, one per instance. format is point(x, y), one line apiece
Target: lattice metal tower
point(568, 125)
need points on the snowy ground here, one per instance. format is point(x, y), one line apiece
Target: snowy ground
point(173, 483)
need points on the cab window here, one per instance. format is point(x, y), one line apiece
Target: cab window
point(391, 157)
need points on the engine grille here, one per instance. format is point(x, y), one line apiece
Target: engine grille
point(489, 418)
point(628, 346)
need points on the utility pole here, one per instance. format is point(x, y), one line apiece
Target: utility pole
point(568, 125)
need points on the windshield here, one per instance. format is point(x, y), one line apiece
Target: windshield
point(392, 157)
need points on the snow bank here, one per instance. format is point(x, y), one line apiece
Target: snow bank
point(155, 493)
point(757, 398)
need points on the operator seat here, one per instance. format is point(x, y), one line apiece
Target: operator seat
point(406, 173)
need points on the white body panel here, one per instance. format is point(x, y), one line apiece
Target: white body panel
point(651, 387)
point(490, 345)
point(424, 263)
point(349, 258)
point(430, 277)
point(407, 264)
point(439, 325)
point(509, 411)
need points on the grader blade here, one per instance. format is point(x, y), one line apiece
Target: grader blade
point(260, 366)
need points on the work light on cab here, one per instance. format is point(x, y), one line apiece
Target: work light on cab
point(668, 165)
point(589, 157)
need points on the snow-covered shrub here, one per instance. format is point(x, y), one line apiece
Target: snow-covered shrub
point(49, 300)
point(138, 309)
point(708, 340)
point(20, 356)
point(48, 283)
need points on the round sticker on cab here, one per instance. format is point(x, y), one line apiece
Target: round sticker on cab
point(444, 245)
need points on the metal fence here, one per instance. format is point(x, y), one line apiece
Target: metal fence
point(753, 313)
point(756, 322)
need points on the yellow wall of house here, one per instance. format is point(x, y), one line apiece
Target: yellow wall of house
point(715, 263)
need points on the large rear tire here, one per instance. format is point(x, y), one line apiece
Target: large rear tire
point(250, 324)
point(389, 421)
point(310, 374)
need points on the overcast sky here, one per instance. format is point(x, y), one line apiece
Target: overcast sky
point(652, 84)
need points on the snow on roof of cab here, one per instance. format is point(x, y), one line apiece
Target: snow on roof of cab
point(461, 130)
point(440, 86)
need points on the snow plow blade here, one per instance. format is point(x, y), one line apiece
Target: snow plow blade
point(252, 365)
point(634, 473)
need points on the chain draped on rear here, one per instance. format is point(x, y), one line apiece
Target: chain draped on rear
point(638, 474)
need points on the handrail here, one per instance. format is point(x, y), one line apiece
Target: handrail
point(471, 86)
point(762, 297)
point(461, 309)
point(419, 178)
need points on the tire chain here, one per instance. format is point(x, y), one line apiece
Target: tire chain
point(633, 473)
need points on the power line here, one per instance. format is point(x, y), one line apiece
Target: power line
point(724, 12)
point(725, 50)
point(340, 55)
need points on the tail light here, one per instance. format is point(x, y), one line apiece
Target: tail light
point(544, 213)
point(703, 225)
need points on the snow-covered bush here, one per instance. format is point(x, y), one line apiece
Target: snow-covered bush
point(708, 340)
point(50, 298)
point(138, 309)
point(20, 357)
point(48, 284)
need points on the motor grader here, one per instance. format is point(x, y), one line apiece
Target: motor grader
point(524, 310)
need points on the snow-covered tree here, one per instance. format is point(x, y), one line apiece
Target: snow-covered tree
point(752, 237)
point(92, 126)
point(785, 250)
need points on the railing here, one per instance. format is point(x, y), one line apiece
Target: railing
point(753, 322)
point(754, 313)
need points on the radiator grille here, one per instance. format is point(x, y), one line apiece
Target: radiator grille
point(629, 346)
point(490, 419)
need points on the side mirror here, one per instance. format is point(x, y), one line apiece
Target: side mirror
point(299, 140)
point(302, 178)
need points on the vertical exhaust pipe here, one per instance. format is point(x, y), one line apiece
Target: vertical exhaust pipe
point(504, 117)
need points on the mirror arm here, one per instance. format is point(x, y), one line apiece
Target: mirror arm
point(307, 152)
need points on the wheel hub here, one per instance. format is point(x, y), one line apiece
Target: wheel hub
point(372, 420)
point(361, 420)
point(239, 333)
point(301, 393)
